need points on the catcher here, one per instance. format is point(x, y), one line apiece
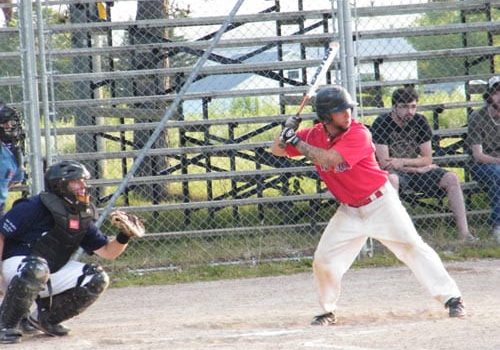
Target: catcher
point(38, 236)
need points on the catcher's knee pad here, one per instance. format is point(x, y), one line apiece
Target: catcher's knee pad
point(34, 270)
point(99, 279)
point(23, 290)
point(75, 300)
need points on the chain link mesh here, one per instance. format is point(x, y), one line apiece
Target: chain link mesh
point(210, 191)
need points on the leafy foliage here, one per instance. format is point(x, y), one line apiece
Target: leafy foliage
point(450, 66)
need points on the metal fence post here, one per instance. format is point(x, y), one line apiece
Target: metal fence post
point(30, 94)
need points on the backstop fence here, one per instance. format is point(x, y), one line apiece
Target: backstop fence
point(95, 80)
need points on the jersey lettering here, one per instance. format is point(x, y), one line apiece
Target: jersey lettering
point(8, 226)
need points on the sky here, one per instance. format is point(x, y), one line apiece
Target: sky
point(123, 10)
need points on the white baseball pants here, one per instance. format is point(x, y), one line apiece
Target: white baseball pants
point(386, 220)
point(65, 278)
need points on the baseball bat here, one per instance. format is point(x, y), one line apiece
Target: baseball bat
point(333, 49)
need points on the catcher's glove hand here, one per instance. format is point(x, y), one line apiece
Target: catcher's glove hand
point(129, 224)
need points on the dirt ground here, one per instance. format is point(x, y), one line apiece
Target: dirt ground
point(381, 308)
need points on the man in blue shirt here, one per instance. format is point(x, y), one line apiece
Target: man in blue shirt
point(11, 139)
point(38, 236)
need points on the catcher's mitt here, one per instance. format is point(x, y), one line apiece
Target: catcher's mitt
point(128, 224)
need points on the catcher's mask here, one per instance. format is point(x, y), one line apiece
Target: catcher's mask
point(68, 180)
point(11, 129)
point(493, 87)
point(332, 99)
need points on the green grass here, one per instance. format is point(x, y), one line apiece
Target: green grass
point(381, 258)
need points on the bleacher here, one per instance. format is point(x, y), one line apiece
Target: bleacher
point(199, 143)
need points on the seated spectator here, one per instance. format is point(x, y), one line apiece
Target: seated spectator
point(7, 11)
point(484, 143)
point(402, 140)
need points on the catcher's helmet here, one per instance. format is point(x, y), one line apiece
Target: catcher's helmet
point(57, 178)
point(493, 87)
point(332, 99)
point(14, 132)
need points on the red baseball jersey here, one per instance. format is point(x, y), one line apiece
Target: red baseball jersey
point(360, 175)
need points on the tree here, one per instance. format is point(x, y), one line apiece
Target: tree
point(153, 85)
point(450, 66)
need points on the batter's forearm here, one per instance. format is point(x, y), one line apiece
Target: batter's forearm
point(326, 159)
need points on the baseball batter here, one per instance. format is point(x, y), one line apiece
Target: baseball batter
point(342, 151)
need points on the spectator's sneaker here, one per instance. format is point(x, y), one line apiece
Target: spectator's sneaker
point(10, 336)
point(55, 330)
point(327, 319)
point(470, 239)
point(455, 307)
point(496, 233)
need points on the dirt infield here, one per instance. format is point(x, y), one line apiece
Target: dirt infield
point(381, 308)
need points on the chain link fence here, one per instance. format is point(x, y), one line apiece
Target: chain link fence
point(209, 190)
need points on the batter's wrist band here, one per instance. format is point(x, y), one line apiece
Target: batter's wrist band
point(122, 238)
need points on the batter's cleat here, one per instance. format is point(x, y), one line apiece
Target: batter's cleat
point(10, 336)
point(55, 330)
point(327, 319)
point(455, 307)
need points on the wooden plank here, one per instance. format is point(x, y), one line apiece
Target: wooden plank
point(212, 149)
point(369, 11)
point(455, 28)
point(119, 51)
point(209, 176)
point(234, 231)
point(480, 51)
point(316, 226)
point(448, 214)
point(207, 123)
point(222, 69)
point(450, 132)
point(455, 160)
point(229, 203)
point(129, 100)
point(365, 85)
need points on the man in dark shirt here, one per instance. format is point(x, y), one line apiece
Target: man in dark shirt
point(484, 141)
point(402, 139)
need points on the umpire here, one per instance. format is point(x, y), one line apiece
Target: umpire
point(341, 148)
point(37, 238)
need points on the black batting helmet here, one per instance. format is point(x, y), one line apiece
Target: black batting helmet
point(57, 177)
point(15, 131)
point(332, 99)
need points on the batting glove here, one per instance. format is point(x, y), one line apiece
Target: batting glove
point(293, 122)
point(288, 136)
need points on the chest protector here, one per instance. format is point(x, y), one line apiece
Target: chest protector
point(57, 245)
